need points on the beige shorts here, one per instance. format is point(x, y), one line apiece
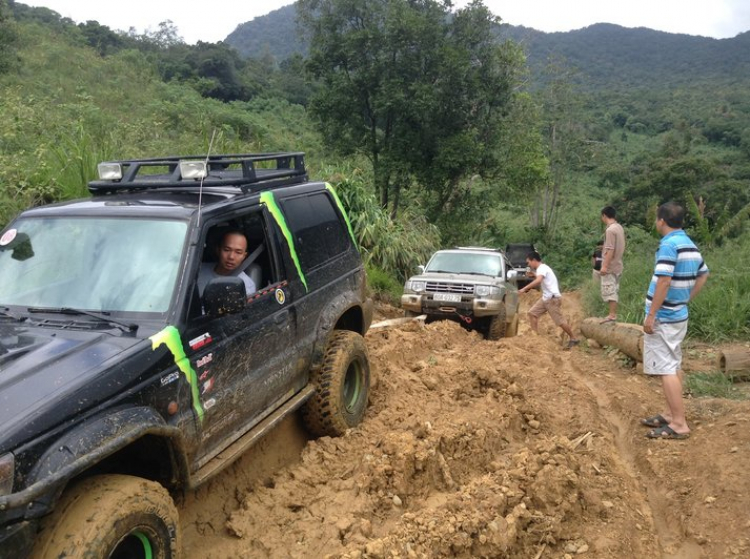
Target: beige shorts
point(552, 306)
point(610, 287)
point(662, 351)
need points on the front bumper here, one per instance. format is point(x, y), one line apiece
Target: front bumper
point(469, 305)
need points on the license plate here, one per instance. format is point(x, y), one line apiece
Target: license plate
point(448, 297)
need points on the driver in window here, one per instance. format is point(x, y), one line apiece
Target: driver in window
point(231, 252)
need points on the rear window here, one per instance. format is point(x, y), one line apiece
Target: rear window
point(319, 232)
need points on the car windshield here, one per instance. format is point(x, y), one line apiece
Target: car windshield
point(466, 263)
point(95, 264)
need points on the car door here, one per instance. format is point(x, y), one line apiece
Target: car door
point(241, 360)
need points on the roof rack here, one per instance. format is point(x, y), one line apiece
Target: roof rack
point(477, 248)
point(235, 170)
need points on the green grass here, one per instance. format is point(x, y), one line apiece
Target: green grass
point(720, 313)
point(712, 385)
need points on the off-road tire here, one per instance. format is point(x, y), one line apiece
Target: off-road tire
point(342, 385)
point(496, 327)
point(512, 328)
point(113, 516)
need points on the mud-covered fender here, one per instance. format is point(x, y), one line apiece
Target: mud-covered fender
point(346, 311)
point(91, 442)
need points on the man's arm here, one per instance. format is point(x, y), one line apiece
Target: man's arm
point(660, 293)
point(608, 251)
point(699, 283)
point(536, 281)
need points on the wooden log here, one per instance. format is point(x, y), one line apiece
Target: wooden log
point(628, 338)
point(385, 324)
point(733, 360)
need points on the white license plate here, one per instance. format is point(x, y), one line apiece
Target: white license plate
point(448, 297)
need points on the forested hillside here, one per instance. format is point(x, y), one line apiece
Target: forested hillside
point(604, 55)
point(565, 124)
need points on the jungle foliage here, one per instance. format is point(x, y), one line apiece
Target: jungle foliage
point(535, 160)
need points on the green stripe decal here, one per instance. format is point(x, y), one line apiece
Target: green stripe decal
point(148, 552)
point(343, 212)
point(170, 337)
point(270, 202)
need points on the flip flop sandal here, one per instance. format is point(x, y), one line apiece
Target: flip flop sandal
point(666, 432)
point(655, 421)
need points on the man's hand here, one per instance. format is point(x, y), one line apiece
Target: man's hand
point(648, 324)
point(603, 270)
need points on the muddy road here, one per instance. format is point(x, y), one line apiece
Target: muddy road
point(472, 448)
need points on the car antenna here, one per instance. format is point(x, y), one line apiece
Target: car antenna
point(200, 189)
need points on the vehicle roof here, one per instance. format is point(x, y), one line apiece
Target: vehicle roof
point(162, 203)
point(472, 249)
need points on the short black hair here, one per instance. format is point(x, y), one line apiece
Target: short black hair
point(609, 211)
point(534, 255)
point(233, 231)
point(672, 213)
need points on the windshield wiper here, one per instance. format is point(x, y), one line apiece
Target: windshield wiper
point(100, 315)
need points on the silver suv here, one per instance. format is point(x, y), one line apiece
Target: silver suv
point(472, 285)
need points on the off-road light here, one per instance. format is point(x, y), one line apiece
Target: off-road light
point(7, 471)
point(193, 170)
point(109, 171)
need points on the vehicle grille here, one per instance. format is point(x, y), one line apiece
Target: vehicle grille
point(443, 287)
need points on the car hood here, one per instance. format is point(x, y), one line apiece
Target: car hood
point(47, 374)
point(457, 278)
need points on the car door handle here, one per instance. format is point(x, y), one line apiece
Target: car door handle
point(281, 317)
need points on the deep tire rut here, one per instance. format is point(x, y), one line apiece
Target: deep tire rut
point(629, 440)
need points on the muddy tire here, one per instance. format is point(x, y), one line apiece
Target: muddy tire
point(496, 327)
point(342, 386)
point(512, 328)
point(112, 516)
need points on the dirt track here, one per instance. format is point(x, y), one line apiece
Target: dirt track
point(489, 449)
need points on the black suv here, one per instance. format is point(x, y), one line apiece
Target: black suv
point(122, 381)
point(516, 253)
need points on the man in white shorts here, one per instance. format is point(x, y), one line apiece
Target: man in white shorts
point(679, 275)
point(551, 301)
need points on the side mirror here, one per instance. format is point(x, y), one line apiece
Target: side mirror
point(224, 296)
point(420, 268)
point(512, 275)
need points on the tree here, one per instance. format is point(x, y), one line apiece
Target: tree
point(8, 40)
point(564, 135)
point(416, 89)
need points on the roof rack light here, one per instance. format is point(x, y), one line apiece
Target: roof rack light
point(109, 171)
point(193, 170)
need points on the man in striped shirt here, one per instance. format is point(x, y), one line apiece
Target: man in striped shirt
point(679, 275)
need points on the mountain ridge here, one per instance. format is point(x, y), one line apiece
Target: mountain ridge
point(605, 54)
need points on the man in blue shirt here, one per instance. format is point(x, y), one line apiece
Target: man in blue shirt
point(679, 275)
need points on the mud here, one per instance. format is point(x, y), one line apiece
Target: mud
point(470, 448)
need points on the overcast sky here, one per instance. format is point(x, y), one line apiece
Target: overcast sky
point(213, 21)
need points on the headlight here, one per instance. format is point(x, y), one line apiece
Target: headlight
point(7, 472)
point(417, 286)
point(485, 290)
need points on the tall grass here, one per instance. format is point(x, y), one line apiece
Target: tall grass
point(721, 312)
point(395, 246)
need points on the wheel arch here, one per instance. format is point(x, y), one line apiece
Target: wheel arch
point(132, 441)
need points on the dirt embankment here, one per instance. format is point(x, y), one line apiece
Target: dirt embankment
point(473, 448)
